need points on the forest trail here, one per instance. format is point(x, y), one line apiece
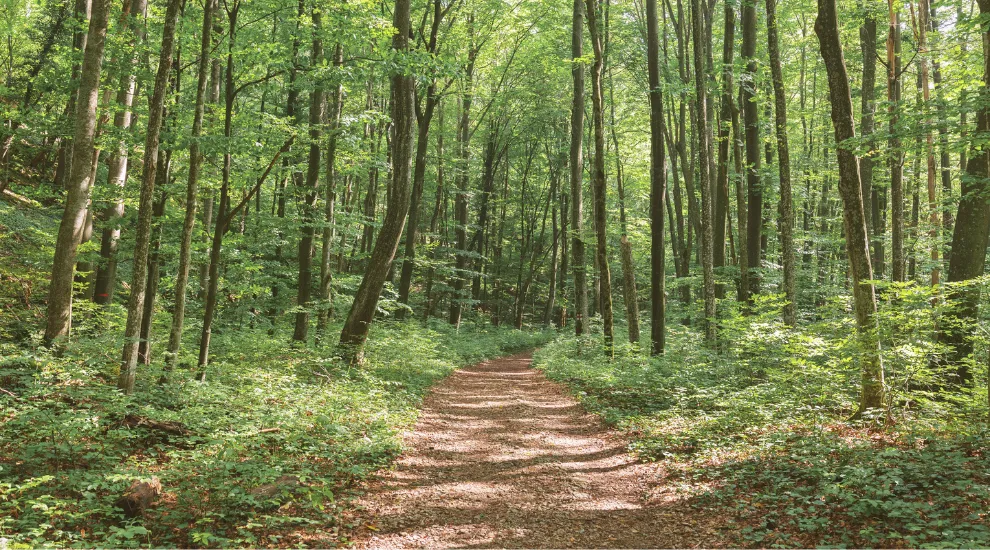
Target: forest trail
point(503, 457)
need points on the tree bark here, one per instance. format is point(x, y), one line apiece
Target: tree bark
point(192, 189)
point(970, 235)
point(135, 305)
point(854, 218)
point(578, 261)
point(80, 182)
point(658, 185)
point(330, 205)
point(896, 158)
point(355, 331)
point(751, 123)
point(704, 177)
point(786, 207)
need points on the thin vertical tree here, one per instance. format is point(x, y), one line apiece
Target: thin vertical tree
point(142, 244)
point(577, 172)
point(658, 185)
point(704, 171)
point(786, 207)
point(854, 218)
point(751, 125)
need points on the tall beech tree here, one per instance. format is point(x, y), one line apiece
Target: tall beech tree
point(853, 216)
point(79, 184)
point(355, 331)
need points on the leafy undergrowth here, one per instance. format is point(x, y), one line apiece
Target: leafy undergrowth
point(759, 434)
point(267, 452)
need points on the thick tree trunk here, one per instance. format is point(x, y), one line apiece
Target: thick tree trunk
point(970, 235)
point(786, 208)
point(135, 306)
point(80, 182)
point(355, 331)
point(854, 219)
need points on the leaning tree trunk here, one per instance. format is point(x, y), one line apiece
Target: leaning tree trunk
point(854, 218)
point(355, 331)
point(80, 181)
point(786, 209)
point(658, 185)
point(135, 306)
point(577, 172)
point(970, 235)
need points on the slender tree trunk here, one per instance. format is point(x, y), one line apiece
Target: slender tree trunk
point(154, 257)
point(192, 189)
point(106, 273)
point(355, 331)
point(135, 306)
point(578, 261)
point(329, 232)
point(461, 196)
point(724, 133)
point(754, 223)
point(786, 208)
point(598, 173)
point(851, 190)
point(658, 185)
point(704, 178)
point(80, 182)
point(896, 153)
point(316, 114)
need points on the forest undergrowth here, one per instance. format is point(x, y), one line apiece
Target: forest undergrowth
point(268, 451)
point(761, 430)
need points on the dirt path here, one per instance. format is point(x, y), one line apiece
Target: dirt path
point(502, 457)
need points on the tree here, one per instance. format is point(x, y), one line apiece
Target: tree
point(355, 331)
point(577, 172)
point(751, 123)
point(135, 304)
point(786, 208)
point(658, 184)
point(80, 181)
point(971, 233)
point(853, 216)
point(598, 176)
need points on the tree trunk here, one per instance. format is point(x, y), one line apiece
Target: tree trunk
point(192, 189)
point(658, 185)
point(724, 133)
point(329, 212)
point(312, 192)
point(461, 197)
point(135, 306)
point(704, 178)
point(598, 173)
point(578, 261)
point(786, 208)
point(896, 158)
point(854, 218)
point(970, 235)
point(355, 331)
point(751, 123)
point(80, 182)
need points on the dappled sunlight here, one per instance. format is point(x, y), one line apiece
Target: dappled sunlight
point(503, 457)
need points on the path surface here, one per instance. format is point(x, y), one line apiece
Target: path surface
point(502, 457)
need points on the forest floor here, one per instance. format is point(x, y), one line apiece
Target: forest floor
point(503, 457)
